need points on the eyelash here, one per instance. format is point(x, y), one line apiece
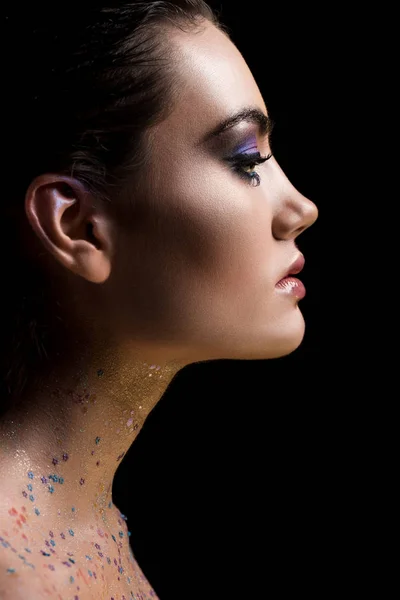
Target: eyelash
point(247, 160)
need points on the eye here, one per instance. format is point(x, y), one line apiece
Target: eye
point(243, 162)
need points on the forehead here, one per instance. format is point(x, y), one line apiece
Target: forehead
point(216, 81)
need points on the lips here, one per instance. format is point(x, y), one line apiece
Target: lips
point(295, 267)
point(290, 286)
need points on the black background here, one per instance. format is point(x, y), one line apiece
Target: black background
point(239, 485)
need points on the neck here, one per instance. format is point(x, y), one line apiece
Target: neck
point(63, 444)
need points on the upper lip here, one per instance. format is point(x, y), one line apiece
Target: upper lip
point(296, 266)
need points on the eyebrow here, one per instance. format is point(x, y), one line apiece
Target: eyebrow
point(248, 115)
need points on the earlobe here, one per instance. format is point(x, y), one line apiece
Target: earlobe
point(70, 225)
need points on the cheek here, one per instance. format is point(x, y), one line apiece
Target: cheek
point(204, 237)
point(233, 295)
point(223, 228)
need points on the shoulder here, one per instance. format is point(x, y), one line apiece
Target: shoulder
point(18, 579)
point(18, 576)
point(27, 569)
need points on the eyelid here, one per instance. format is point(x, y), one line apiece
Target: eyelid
point(253, 142)
point(246, 146)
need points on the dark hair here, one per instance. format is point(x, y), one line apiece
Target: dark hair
point(82, 87)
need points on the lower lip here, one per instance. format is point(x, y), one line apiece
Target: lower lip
point(291, 286)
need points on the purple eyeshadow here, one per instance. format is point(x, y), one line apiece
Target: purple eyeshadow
point(248, 146)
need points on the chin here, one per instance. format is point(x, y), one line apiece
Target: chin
point(283, 339)
point(252, 341)
point(290, 338)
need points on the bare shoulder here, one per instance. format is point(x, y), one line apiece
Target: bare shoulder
point(47, 559)
point(18, 577)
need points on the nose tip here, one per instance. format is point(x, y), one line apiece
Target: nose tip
point(309, 214)
point(295, 214)
point(314, 211)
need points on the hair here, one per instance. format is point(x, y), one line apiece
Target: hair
point(82, 89)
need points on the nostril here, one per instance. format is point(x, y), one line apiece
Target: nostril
point(300, 230)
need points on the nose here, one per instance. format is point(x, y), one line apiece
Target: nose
point(296, 213)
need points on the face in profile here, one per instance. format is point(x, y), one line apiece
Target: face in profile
point(207, 244)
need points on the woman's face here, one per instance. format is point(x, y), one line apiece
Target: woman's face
point(203, 248)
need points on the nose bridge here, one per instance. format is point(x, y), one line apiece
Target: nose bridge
point(294, 214)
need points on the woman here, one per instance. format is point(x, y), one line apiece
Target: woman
point(148, 227)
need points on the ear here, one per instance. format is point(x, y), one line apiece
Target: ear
point(71, 225)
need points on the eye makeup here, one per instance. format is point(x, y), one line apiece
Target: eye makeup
point(246, 156)
point(249, 146)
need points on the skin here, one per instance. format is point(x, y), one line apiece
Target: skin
point(188, 275)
